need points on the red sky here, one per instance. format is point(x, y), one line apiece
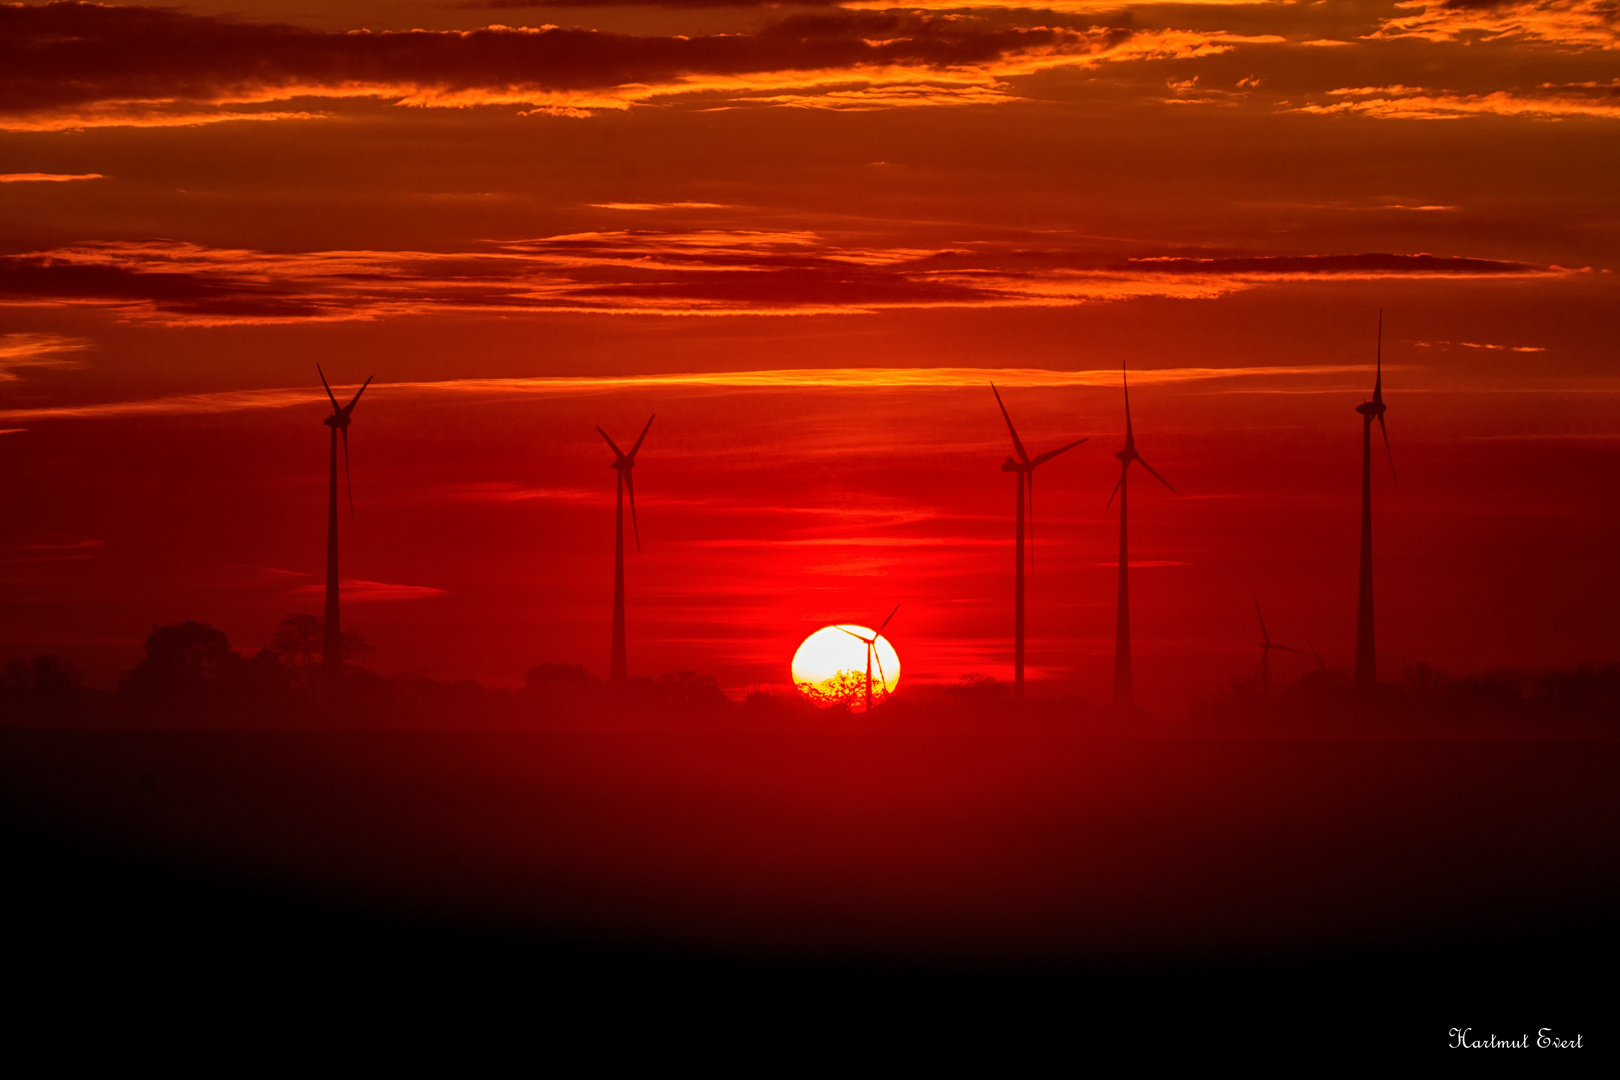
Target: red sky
point(836, 223)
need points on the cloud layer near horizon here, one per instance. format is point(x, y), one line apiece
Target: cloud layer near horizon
point(647, 272)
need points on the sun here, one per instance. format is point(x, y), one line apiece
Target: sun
point(830, 666)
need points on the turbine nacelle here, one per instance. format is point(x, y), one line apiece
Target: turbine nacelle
point(340, 413)
point(1374, 409)
point(623, 463)
point(872, 653)
point(339, 423)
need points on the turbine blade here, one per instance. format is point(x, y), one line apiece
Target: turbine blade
point(877, 657)
point(630, 485)
point(1387, 451)
point(1156, 476)
point(356, 399)
point(1117, 483)
point(1050, 454)
point(885, 622)
point(851, 633)
point(1263, 632)
point(328, 386)
point(643, 435)
point(1378, 381)
point(348, 479)
point(1289, 648)
point(1126, 382)
point(1316, 654)
point(1017, 445)
point(616, 451)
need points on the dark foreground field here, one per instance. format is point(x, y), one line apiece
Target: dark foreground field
point(1370, 892)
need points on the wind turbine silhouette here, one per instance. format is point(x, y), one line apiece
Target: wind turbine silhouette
point(332, 645)
point(1321, 665)
point(1124, 690)
point(871, 652)
point(622, 464)
point(1266, 645)
point(1366, 652)
point(1024, 467)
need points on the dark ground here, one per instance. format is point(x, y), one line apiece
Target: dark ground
point(1231, 897)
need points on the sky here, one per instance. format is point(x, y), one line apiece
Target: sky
point(808, 237)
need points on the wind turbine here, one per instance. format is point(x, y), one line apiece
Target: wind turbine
point(1266, 645)
point(622, 464)
point(1124, 690)
point(1024, 467)
point(332, 646)
point(1366, 652)
point(871, 652)
point(1322, 665)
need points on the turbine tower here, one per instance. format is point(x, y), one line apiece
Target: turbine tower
point(1124, 689)
point(332, 645)
point(623, 464)
point(1366, 651)
point(1024, 468)
point(1266, 645)
point(871, 651)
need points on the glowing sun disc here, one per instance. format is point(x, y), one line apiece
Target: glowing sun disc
point(830, 666)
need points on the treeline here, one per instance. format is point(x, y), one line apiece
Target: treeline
point(190, 676)
point(1422, 696)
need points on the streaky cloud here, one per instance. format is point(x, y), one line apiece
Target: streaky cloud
point(1571, 24)
point(36, 350)
point(783, 379)
point(73, 65)
point(710, 272)
point(44, 177)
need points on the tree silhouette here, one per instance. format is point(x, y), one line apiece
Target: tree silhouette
point(186, 661)
point(846, 689)
point(300, 640)
point(297, 641)
point(689, 690)
point(559, 680)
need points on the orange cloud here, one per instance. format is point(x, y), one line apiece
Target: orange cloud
point(84, 65)
point(36, 351)
point(1549, 102)
point(1573, 24)
point(649, 272)
point(660, 206)
point(791, 378)
point(45, 177)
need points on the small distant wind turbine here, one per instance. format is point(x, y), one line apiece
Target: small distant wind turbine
point(332, 645)
point(1321, 664)
point(622, 464)
point(1124, 689)
point(1024, 468)
point(1366, 652)
point(871, 653)
point(1266, 645)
